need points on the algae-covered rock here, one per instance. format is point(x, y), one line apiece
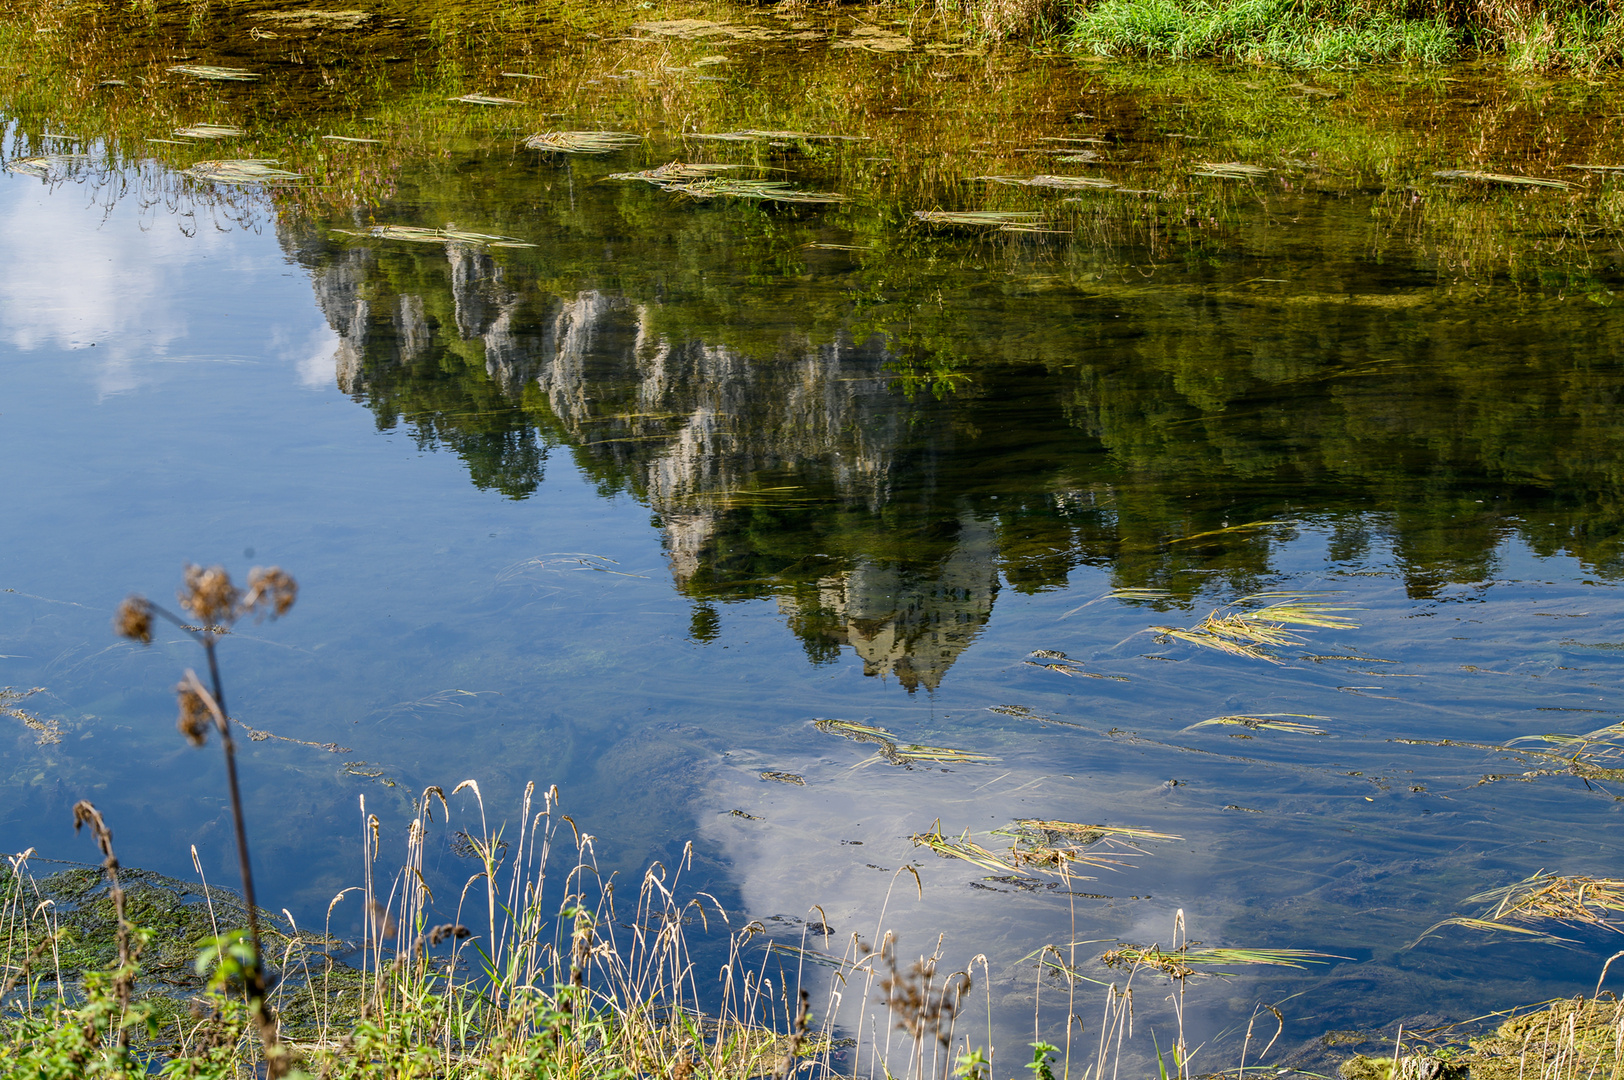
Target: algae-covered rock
point(176, 919)
point(1410, 1067)
point(1581, 1034)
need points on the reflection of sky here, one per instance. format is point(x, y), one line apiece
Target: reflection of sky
point(138, 290)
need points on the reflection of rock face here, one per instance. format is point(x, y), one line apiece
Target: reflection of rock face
point(709, 438)
point(913, 629)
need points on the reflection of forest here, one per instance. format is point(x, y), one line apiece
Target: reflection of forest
point(885, 519)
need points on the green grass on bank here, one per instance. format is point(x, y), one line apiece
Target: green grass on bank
point(1564, 35)
point(1285, 32)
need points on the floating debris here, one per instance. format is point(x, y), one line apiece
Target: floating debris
point(583, 142)
point(964, 848)
point(414, 234)
point(1062, 183)
point(677, 171)
point(1242, 632)
point(784, 778)
point(1057, 845)
point(484, 99)
point(894, 753)
point(753, 135)
point(1184, 962)
point(762, 190)
point(241, 171)
point(210, 131)
point(874, 39)
point(45, 166)
point(215, 74)
point(1230, 170)
point(309, 19)
point(1501, 178)
point(351, 139)
point(1267, 722)
point(1051, 660)
point(1003, 220)
point(1597, 168)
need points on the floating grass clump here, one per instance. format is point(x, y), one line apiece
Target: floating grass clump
point(415, 235)
point(1058, 845)
point(894, 753)
point(1505, 179)
point(211, 73)
point(1267, 722)
point(701, 182)
point(677, 172)
point(1230, 170)
point(583, 142)
point(1250, 632)
point(46, 166)
point(210, 131)
point(1002, 220)
point(1190, 959)
point(241, 171)
point(1060, 183)
point(1570, 900)
point(962, 847)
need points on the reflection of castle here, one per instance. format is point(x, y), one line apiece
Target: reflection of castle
point(715, 442)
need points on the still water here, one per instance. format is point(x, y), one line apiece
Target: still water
point(631, 507)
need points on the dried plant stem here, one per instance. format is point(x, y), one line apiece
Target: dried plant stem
point(258, 1004)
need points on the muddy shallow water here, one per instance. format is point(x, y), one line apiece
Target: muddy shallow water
point(628, 499)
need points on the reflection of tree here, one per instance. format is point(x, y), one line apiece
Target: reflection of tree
point(1134, 430)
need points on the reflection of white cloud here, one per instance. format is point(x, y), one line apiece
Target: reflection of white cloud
point(313, 356)
point(80, 277)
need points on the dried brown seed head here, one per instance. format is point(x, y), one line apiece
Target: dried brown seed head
point(210, 595)
point(270, 591)
point(194, 715)
point(134, 620)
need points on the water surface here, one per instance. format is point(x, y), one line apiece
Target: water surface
point(628, 509)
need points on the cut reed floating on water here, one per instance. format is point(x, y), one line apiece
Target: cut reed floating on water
point(483, 99)
point(415, 235)
point(44, 166)
point(676, 171)
point(1501, 178)
point(964, 848)
point(1267, 722)
point(1183, 962)
point(984, 219)
point(215, 74)
point(1057, 845)
point(583, 142)
point(1243, 632)
point(1061, 183)
point(762, 190)
point(1229, 170)
point(210, 131)
point(241, 171)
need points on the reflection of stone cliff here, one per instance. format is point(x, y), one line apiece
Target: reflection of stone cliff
point(713, 441)
point(1141, 430)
